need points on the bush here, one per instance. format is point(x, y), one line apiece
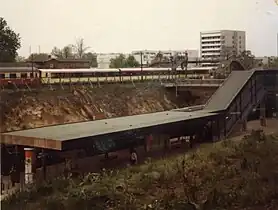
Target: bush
point(225, 175)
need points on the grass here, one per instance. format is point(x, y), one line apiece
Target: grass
point(225, 175)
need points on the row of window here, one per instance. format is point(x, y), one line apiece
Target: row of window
point(217, 37)
point(210, 47)
point(211, 51)
point(211, 37)
point(210, 56)
point(103, 74)
point(13, 75)
point(212, 42)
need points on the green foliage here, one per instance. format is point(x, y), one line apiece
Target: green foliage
point(92, 57)
point(9, 42)
point(65, 52)
point(225, 175)
point(247, 59)
point(20, 59)
point(38, 57)
point(77, 51)
point(122, 62)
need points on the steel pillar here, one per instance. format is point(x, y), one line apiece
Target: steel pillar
point(262, 113)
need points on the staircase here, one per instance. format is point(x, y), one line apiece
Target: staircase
point(235, 99)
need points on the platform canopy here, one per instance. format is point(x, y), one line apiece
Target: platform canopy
point(56, 137)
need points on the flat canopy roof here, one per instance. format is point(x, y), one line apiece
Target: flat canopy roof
point(52, 137)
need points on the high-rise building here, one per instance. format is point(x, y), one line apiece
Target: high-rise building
point(221, 44)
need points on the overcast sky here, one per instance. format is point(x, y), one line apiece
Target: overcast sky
point(126, 25)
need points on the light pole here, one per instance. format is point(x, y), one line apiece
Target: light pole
point(141, 65)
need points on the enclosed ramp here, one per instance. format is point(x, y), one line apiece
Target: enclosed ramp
point(224, 95)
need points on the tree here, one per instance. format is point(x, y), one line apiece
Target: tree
point(80, 48)
point(67, 52)
point(130, 61)
point(64, 53)
point(20, 59)
point(92, 57)
point(122, 62)
point(118, 62)
point(9, 42)
point(247, 59)
point(57, 52)
point(38, 57)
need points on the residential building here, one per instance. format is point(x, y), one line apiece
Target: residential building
point(266, 61)
point(149, 55)
point(221, 44)
point(103, 59)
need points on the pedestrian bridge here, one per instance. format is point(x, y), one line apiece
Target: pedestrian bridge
point(194, 83)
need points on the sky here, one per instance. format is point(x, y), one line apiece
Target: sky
point(126, 25)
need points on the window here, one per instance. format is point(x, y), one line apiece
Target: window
point(23, 75)
point(51, 65)
point(12, 75)
point(2, 76)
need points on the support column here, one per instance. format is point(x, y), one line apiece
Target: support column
point(224, 129)
point(43, 158)
point(262, 114)
point(244, 124)
point(148, 142)
point(218, 130)
point(29, 165)
point(15, 172)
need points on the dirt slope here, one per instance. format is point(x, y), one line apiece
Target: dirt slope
point(23, 110)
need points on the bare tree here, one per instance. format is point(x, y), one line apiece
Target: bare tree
point(64, 53)
point(57, 52)
point(80, 48)
point(67, 51)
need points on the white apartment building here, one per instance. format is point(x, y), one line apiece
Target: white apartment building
point(218, 44)
point(149, 55)
point(103, 59)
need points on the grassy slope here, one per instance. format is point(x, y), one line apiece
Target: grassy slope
point(231, 174)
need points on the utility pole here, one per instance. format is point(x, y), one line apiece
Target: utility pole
point(141, 64)
point(32, 60)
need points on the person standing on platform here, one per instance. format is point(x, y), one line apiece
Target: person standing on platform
point(133, 156)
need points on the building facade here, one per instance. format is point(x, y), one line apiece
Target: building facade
point(54, 63)
point(104, 59)
point(149, 55)
point(221, 44)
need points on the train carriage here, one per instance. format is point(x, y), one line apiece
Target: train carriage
point(19, 76)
